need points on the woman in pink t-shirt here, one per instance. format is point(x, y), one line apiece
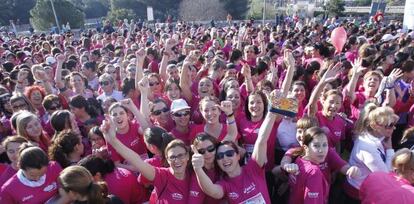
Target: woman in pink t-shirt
point(206, 145)
point(11, 144)
point(29, 126)
point(240, 184)
point(310, 185)
point(67, 148)
point(35, 181)
point(171, 185)
point(210, 110)
point(116, 178)
point(328, 118)
point(128, 132)
point(395, 187)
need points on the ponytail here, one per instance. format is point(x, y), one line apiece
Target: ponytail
point(63, 144)
point(95, 195)
point(373, 114)
point(158, 137)
point(363, 123)
point(95, 164)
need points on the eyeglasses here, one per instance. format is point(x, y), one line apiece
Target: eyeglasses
point(113, 72)
point(154, 83)
point(104, 83)
point(55, 107)
point(175, 157)
point(181, 114)
point(131, 69)
point(19, 106)
point(158, 112)
point(249, 51)
point(210, 149)
point(228, 153)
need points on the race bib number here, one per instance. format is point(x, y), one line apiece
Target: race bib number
point(257, 199)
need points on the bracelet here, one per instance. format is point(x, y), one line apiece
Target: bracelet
point(231, 122)
point(389, 87)
point(232, 114)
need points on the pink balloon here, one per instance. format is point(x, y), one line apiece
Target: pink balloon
point(338, 38)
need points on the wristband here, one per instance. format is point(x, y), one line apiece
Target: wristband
point(231, 122)
point(232, 114)
point(389, 87)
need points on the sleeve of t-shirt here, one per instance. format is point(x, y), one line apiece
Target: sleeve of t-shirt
point(372, 161)
point(6, 197)
point(114, 155)
point(160, 179)
point(335, 162)
point(314, 188)
point(253, 167)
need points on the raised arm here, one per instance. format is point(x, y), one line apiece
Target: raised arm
point(357, 71)
point(246, 71)
point(208, 187)
point(185, 83)
point(226, 107)
point(143, 123)
point(260, 38)
point(60, 84)
point(290, 64)
point(108, 130)
point(329, 76)
point(140, 57)
point(163, 65)
point(390, 98)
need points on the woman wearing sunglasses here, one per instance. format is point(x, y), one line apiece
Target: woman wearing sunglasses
point(180, 112)
point(205, 145)
point(128, 131)
point(171, 185)
point(372, 149)
point(245, 184)
point(107, 85)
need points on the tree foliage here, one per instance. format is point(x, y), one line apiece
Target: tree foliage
point(96, 8)
point(5, 12)
point(195, 10)
point(237, 8)
point(117, 14)
point(42, 17)
point(335, 7)
point(163, 8)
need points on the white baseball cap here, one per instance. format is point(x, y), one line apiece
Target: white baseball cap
point(178, 105)
point(50, 60)
point(388, 37)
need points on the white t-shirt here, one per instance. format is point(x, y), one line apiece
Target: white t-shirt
point(117, 95)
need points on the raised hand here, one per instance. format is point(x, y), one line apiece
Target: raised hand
point(357, 67)
point(246, 71)
point(332, 72)
point(127, 103)
point(226, 107)
point(41, 75)
point(288, 58)
point(143, 85)
point(60, 58)
point(394, 75)
point(108, 129)
point(198, 159)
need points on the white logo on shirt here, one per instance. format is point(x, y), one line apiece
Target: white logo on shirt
point(313, 194)
point(250, 188)
point(323, 165)
point(134, 142)
point(338, 133)
point(177, 196)
point(194, 193)
point(233, 195)
point(27, 198)
point(256, 130)
point(50, 187)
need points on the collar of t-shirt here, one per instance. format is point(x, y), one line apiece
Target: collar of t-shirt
point(28, 182)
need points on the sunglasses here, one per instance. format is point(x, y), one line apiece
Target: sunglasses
point(158, 112)
point(228, 153)
point(108, 72)
point(104, 83)
point(54, 107)
point(154, 83)
point(390, 126)
point(181, 114)
point(249, 51)
point(210, 149)
point(19, 106)
point(131, 69)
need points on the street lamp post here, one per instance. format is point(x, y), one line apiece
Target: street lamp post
point(264, 12)
point(54, 13)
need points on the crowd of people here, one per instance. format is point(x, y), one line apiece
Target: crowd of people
point(189, 113)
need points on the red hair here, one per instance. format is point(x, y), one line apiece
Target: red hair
point(30, 89)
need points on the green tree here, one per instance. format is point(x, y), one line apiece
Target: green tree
point(21, 10)
point(137, 8)
point(42, 17)
point(96, 8)
point(163, 8)
point(237, 8)
point(119, 14)
point(335, 7)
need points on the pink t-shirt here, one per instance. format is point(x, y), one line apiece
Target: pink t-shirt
point(386, 188)
point(309, 186)
point(118, 180)
point(200, 128)
point(335, 128)
point(168, 189)
point(249, 132)
point(333, 162)
point(185, 137)
point(154, 161)
point(249, 187)
point(132, 140)
point(14, 191)
point(7, 174)
point(197, 195)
